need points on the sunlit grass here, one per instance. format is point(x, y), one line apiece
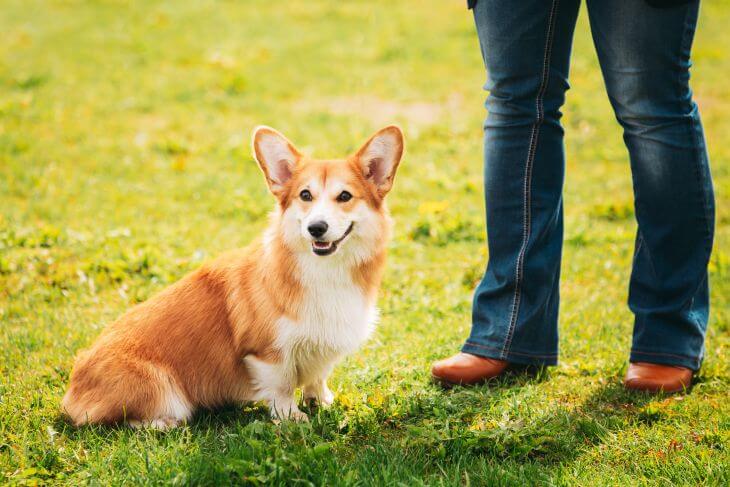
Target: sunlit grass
point(124, 163)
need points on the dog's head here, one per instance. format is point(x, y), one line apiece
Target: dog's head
point(330, 207)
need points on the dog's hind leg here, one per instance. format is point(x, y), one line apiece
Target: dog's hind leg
point(173, 408)
point(105, 392)
point(157, 424)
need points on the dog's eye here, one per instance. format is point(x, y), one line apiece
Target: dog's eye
point(305, 195)
point(344, 197)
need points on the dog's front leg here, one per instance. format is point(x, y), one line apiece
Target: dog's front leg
point(274, 383)
point(316, 389)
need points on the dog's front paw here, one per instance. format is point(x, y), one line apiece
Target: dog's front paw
point(326, 398)
point(291, 413)
point(320, 395)
point(298, 416)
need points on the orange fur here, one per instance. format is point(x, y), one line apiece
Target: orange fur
point(190, 339)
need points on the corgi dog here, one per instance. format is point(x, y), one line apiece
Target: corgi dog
point(257, 323)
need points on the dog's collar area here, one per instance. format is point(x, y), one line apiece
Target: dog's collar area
point(322, 248)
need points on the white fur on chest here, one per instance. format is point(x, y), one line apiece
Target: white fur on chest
point(334, 319)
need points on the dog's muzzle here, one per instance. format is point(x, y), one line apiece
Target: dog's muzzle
point(323, 248)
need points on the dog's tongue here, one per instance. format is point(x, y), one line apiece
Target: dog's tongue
point(322, 245)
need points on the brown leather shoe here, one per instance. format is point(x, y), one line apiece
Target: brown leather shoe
point(643, 376)
point(465, 369)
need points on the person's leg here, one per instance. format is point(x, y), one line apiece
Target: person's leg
point(526, 48)
point(644, 54)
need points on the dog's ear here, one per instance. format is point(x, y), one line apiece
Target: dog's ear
point(380, 156)
point(276, 156)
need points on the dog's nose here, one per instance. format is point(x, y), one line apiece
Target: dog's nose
point(317, 229)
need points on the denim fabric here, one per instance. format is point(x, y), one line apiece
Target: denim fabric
point(644, 55)
point(654, 3)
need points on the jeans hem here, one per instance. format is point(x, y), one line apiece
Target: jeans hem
point(512, 356)
point(663, 358)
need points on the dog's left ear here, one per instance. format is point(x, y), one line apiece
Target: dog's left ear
point(276, 156)
point(380, 156)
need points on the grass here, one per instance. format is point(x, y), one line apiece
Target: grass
point(124, 163)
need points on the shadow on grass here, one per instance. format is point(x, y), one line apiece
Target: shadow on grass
point(425, 432)
point(563, 432)
point(225, 417)
point(229, 416)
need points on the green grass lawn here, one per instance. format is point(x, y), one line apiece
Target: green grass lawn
point(124, 163)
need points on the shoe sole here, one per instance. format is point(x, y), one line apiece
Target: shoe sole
point(447, 384)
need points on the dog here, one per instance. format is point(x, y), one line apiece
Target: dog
point(256, 323)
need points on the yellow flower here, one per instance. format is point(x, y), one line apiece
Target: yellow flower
point(432, 207)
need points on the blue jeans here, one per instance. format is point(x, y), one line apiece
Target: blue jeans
point(644, 53)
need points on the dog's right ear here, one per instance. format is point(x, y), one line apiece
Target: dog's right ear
point(276, 156)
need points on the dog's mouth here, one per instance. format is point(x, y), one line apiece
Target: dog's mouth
point(320, 247)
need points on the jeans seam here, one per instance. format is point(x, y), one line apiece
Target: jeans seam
point(532, 149)
point(486, 347)
point(702, 174)
point(641, 242)
point(698, 148)
point(701, 180)
point(687, 36)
